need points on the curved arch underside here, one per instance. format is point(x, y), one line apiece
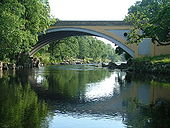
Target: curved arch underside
point(60, 33)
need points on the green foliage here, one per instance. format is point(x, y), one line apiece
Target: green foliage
point(63, 49)
point(20, 23)
point(152, 65)
point(151, 19)
point(155, 59)
point(20, 107)
point(120, 51)
point(69, 82)
point(81, 47)
point(43, 55)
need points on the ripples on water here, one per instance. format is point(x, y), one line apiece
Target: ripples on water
point(82, 97)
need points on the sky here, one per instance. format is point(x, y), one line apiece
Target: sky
point(90, 9)
point(107, 10)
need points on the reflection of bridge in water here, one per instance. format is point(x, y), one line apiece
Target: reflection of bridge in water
point(114, 31)
point(123, 97)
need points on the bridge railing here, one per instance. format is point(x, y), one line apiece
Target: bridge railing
point(91, 23)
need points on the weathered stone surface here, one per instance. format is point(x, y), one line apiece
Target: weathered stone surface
point(36, 62)
point(112, 65)
point(122, 66)
point(11, 66)
point(5, 66)
point(105, 65)
point(1, 65)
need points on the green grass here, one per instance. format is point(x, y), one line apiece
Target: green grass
point(155, 59)
point(156, 83)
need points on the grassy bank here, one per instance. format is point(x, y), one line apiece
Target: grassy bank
point(157, 64)
point(156, 59)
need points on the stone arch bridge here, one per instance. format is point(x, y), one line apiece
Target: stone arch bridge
point(114, 31)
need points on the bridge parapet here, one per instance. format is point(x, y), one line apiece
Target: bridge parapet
point(91, 23)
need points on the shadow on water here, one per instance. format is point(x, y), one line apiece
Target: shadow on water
point(83, 95)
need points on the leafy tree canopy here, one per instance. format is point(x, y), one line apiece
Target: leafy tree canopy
point(151, 19)
point(20, 23)
point(80, 47)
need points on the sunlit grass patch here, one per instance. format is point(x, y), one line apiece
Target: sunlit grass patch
point(156, 83)
point(166, 60)
point(155, 59)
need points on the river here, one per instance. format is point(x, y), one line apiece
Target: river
point(83, 96)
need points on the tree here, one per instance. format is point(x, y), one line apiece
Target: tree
point(151, 19)
point(80, 47)
point(64, 49)
point(83, 42)
point(120, 51)
point(20, 23)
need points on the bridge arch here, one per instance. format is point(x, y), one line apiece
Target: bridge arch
point(53, 34)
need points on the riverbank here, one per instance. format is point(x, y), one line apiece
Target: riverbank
point(29, 63)
point(145, 65)
point(155, 65)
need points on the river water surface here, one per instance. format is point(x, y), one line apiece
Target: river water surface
point(83, 96)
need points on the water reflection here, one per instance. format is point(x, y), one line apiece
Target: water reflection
point(96, 95)
point(83, 96)
point(69, 84)
point(106, 88)
point(61, 120)
point(19, 104)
